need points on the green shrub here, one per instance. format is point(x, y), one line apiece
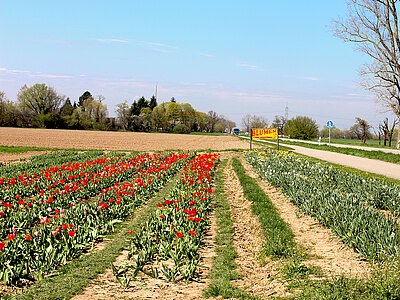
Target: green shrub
point(181, 128)
point(300, 127)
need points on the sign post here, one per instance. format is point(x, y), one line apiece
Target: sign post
point(330, 125)
point(264, 133)
point(251, 137)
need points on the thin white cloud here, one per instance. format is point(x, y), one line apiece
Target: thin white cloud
point(34, 74)
point(155, 44)
point(312, 78)
point(112, 41)
point(41, 75)
point(159, 47)
point(205, 54)
point(247, 66)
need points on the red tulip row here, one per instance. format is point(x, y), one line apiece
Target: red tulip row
point(62, 187)
point(62, 233)
point(174, 234)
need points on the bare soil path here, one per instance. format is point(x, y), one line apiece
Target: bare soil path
point(259, 278)
point(108, 140)
point(15, 158)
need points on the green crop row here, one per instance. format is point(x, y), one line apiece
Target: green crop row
point(344, 202)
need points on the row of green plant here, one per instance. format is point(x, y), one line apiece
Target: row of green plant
point(278, 234)
point(333, 203)
point(167, 246)
point(308, 282)
point(368, 190)
point(33, 251)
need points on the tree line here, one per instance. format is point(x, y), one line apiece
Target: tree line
point(305, 128)
point(42, 107)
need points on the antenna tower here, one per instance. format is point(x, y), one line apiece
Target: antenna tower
point(286, 112)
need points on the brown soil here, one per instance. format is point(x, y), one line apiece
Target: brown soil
point(106, 140)
point(12, 158)
point(259, 278)
point(328, 253)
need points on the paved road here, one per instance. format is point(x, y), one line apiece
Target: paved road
point(365, 164)
point(366, 148)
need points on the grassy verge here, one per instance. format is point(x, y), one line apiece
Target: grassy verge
point(18, 150)
point(223, 268)
point(369, 143)
point(75, 276)
point(379, 155)
point(278, 234)
point(271, 144)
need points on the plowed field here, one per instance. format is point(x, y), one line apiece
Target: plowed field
point(106, 140)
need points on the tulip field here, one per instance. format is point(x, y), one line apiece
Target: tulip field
point(55, 209)
point(174, 234)
point(351, 205)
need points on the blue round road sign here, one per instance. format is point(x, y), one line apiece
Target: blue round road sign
point(329, 124)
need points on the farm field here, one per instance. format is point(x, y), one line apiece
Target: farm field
point(106, 140)
point(187, 224)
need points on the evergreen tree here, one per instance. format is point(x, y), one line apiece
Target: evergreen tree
point(84, 96)
point(153, 102)
point(67, 109)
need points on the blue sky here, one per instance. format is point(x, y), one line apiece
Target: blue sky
point(233, 57)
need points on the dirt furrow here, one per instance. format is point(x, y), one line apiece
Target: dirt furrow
point(260, 278)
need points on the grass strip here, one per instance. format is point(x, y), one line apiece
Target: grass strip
point(271, 144)
point(22, 149)
point(223, 268)
point(19, 149)
point(76, 275)
point(357, 142)
point(278, 234)
point(379, 155)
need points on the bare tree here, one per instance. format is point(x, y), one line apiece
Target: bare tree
point(123, 115)
point(246, 122)
point(214, 118)
point(364, 128)
point(279, 122)
point(373, 26)
point(249, 122)
point(387, 131)
point(259, 122)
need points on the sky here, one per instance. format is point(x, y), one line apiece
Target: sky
point(232, 57)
